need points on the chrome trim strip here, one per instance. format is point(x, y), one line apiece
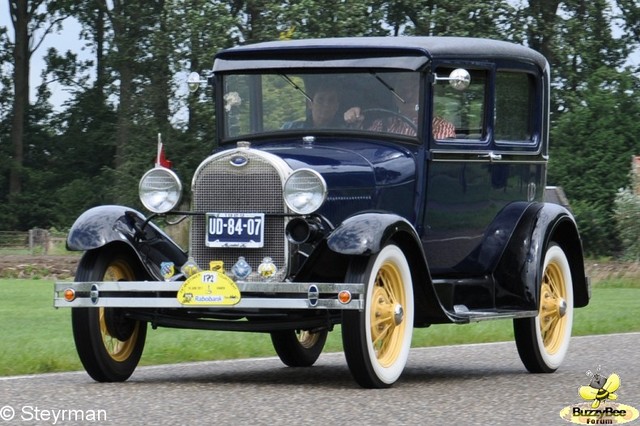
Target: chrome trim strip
point(484, 156)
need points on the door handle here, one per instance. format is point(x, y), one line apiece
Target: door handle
point(492, 156)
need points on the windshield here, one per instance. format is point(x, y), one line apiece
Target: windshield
point(281, 101)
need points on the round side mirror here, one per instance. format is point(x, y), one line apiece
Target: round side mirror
point(193, 82)
point(460, 79)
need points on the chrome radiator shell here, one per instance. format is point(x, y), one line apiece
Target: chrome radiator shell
point(241, 180)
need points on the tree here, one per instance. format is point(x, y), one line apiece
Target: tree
point(95, 148)
point(6, 103)
point(451, 18)
point(627, 220)
point(307, 18)
point(592, 143)
point(27, 18)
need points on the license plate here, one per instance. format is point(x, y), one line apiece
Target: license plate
point(235, 230)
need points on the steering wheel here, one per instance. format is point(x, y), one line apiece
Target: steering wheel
point(373, 114)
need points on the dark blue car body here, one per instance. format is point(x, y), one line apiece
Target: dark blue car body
point(458, 221)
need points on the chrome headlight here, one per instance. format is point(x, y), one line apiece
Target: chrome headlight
point(304, 191)
point(160, 190)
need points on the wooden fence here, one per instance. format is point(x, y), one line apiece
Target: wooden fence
point(35, 241)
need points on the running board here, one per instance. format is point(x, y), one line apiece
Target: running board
point(463, 314)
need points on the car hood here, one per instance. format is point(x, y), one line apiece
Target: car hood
point(353, 163)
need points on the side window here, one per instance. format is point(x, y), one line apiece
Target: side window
point(515, 100)
point(464, 109)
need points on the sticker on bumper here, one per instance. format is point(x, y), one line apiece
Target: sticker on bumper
point(209, 288)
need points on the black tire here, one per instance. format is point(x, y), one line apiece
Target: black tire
point(109, 345)
point(543, 341)
point(377, 340)
point(298, 348)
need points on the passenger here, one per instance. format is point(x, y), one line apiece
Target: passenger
point(406, 103)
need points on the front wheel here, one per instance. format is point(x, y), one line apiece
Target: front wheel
point(543, 341)
point(377, 340)
point(299, 348)
point(108, 343)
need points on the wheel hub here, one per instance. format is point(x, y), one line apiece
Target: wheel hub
point(118, 326)
point(398, 314)
point(562, 307)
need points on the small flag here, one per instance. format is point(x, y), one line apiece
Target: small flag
point(161, 160)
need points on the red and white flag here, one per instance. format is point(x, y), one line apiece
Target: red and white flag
point(161, 160)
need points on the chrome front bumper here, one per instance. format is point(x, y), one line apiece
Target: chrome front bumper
point(254, 295)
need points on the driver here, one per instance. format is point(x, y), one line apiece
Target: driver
point(406, 102)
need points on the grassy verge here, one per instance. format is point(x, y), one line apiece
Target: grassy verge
point(37, 338)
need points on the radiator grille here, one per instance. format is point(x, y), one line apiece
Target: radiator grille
point(220, 187)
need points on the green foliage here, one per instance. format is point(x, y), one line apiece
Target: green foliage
point(591, 147)
point(94, 149)
point(627, 216)
point(495, 19)
point(596, 228)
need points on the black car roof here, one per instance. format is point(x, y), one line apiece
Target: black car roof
point(406, 52)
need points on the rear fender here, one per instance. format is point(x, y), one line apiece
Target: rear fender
point(104, 225)
point(519, 270)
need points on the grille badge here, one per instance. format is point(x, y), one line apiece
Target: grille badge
point(239, 160)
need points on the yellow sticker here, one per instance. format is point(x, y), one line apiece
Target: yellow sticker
point(209, 288)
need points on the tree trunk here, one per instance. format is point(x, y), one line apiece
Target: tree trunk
point(160, 78)
point(542, 31)
point(20, 19)
point(101, 78)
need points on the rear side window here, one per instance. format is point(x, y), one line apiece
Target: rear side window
point(465, 109)
point(515, 103)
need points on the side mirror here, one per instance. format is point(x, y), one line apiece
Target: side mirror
point(459, 79)
point(194, 82)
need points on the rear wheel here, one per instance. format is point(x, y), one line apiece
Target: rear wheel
point(299, 348)
point(108, 343)
point(377, 340)
point(543, 341)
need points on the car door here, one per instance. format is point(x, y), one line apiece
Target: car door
point(495, 159)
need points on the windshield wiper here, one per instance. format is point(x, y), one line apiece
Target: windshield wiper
point(388, 86)
point(295, 86)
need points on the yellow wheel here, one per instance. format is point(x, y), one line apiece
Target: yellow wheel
point(543, 341)
point(377, 341)
point(109, 343)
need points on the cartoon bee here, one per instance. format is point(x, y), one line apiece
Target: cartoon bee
point(600, 388)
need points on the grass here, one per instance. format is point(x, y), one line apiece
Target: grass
point(37, 338)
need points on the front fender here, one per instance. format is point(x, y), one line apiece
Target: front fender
point(103, 225)
point(366, 233)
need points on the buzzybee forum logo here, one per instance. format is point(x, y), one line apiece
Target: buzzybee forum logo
point(600, 406)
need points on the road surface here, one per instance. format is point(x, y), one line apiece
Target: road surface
point(461, 385)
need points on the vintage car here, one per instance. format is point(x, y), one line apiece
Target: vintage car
point(375, 184)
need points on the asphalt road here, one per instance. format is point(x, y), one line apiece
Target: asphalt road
point(461, 385)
